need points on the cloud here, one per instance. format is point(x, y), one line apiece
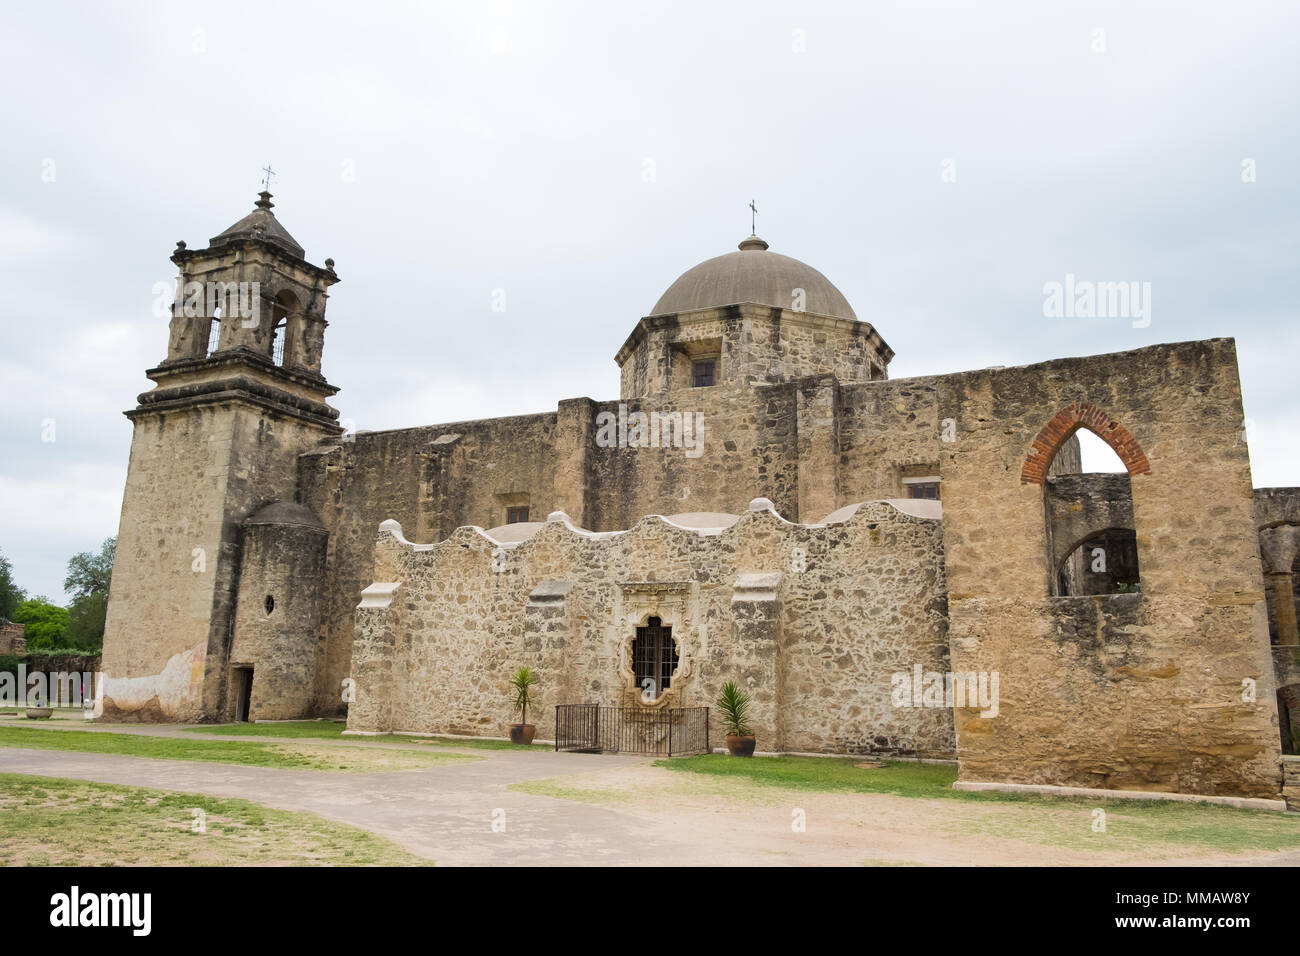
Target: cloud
point(504, 145)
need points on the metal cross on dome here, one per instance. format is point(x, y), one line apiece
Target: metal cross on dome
point(753, 218)
point(268, 175)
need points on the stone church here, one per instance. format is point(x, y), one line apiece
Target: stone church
point(762, 504)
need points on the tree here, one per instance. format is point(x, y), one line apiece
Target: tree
point(88, 580)
point(90, 573)
point(86, 622)
point(10, 594)
point(47, 624)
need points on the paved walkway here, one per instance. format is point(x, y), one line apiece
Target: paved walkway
point(446, 812)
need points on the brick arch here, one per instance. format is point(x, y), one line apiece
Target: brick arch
point(1068, 421)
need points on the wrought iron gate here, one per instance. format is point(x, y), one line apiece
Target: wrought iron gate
point(670, 732)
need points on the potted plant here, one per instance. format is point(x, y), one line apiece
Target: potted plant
point(734, 706)
point(37, 708)
point(523, 681)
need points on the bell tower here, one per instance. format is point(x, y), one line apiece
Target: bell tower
point(237, 398)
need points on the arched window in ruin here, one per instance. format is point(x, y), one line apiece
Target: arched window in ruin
point(654, 658)
point(1085, 462)
point(1104, 563)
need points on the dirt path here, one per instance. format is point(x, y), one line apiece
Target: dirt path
point(607, 810)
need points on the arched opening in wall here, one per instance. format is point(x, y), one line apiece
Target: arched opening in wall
point(214, 332)
point(283, 309)
point(1105, 563)
point(654, 658)
point(1088, 503)
point(277, 342)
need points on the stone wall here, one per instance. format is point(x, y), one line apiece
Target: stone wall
point(1145, 691)
point(751, 345)
point(12, 638)
point(277, 629)
point(839, 609)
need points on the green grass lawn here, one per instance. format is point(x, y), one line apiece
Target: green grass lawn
point(333, 730)
point(1047, 820)
point(247, 752)
point(904, 778)
point(50, 822)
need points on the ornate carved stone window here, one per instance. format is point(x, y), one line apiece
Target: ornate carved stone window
point(654, 658)
point(657, 639)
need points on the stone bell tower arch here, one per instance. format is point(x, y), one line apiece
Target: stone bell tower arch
point(237, 398)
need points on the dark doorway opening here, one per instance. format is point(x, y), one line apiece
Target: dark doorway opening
point(243, 693)
point(1290, 732)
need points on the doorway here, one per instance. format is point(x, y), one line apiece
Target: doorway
point(243, 694)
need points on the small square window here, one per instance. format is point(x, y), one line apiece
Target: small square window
point(923, 489)
point(702, 373)
point(517, 514)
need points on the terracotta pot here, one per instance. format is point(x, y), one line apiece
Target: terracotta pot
point(522, 733)
point(40, 713)
point(741, 746)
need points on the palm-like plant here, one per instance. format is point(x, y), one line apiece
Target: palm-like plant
point(523, 681)
point(734, 707)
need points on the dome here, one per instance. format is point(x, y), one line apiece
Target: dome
point(753, 275)
point(262, 224)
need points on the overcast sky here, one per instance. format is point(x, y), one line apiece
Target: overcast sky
point(581, 156)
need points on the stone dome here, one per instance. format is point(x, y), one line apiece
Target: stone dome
point(753, 275)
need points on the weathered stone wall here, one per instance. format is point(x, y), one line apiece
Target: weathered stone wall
point(12, 638)
point(1139, 691)
point(850, 604)
point(195, 474)
point(752, 345)
point(1291, 782)
point(430, 479)
point(1276, 511)
point(277, 621)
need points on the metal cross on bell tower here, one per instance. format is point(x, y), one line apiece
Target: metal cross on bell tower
point(267, 175)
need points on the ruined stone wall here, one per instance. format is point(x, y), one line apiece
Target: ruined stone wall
point(13, 638)
point(1274, 508)
point(837, 612)
point(1136, 691)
